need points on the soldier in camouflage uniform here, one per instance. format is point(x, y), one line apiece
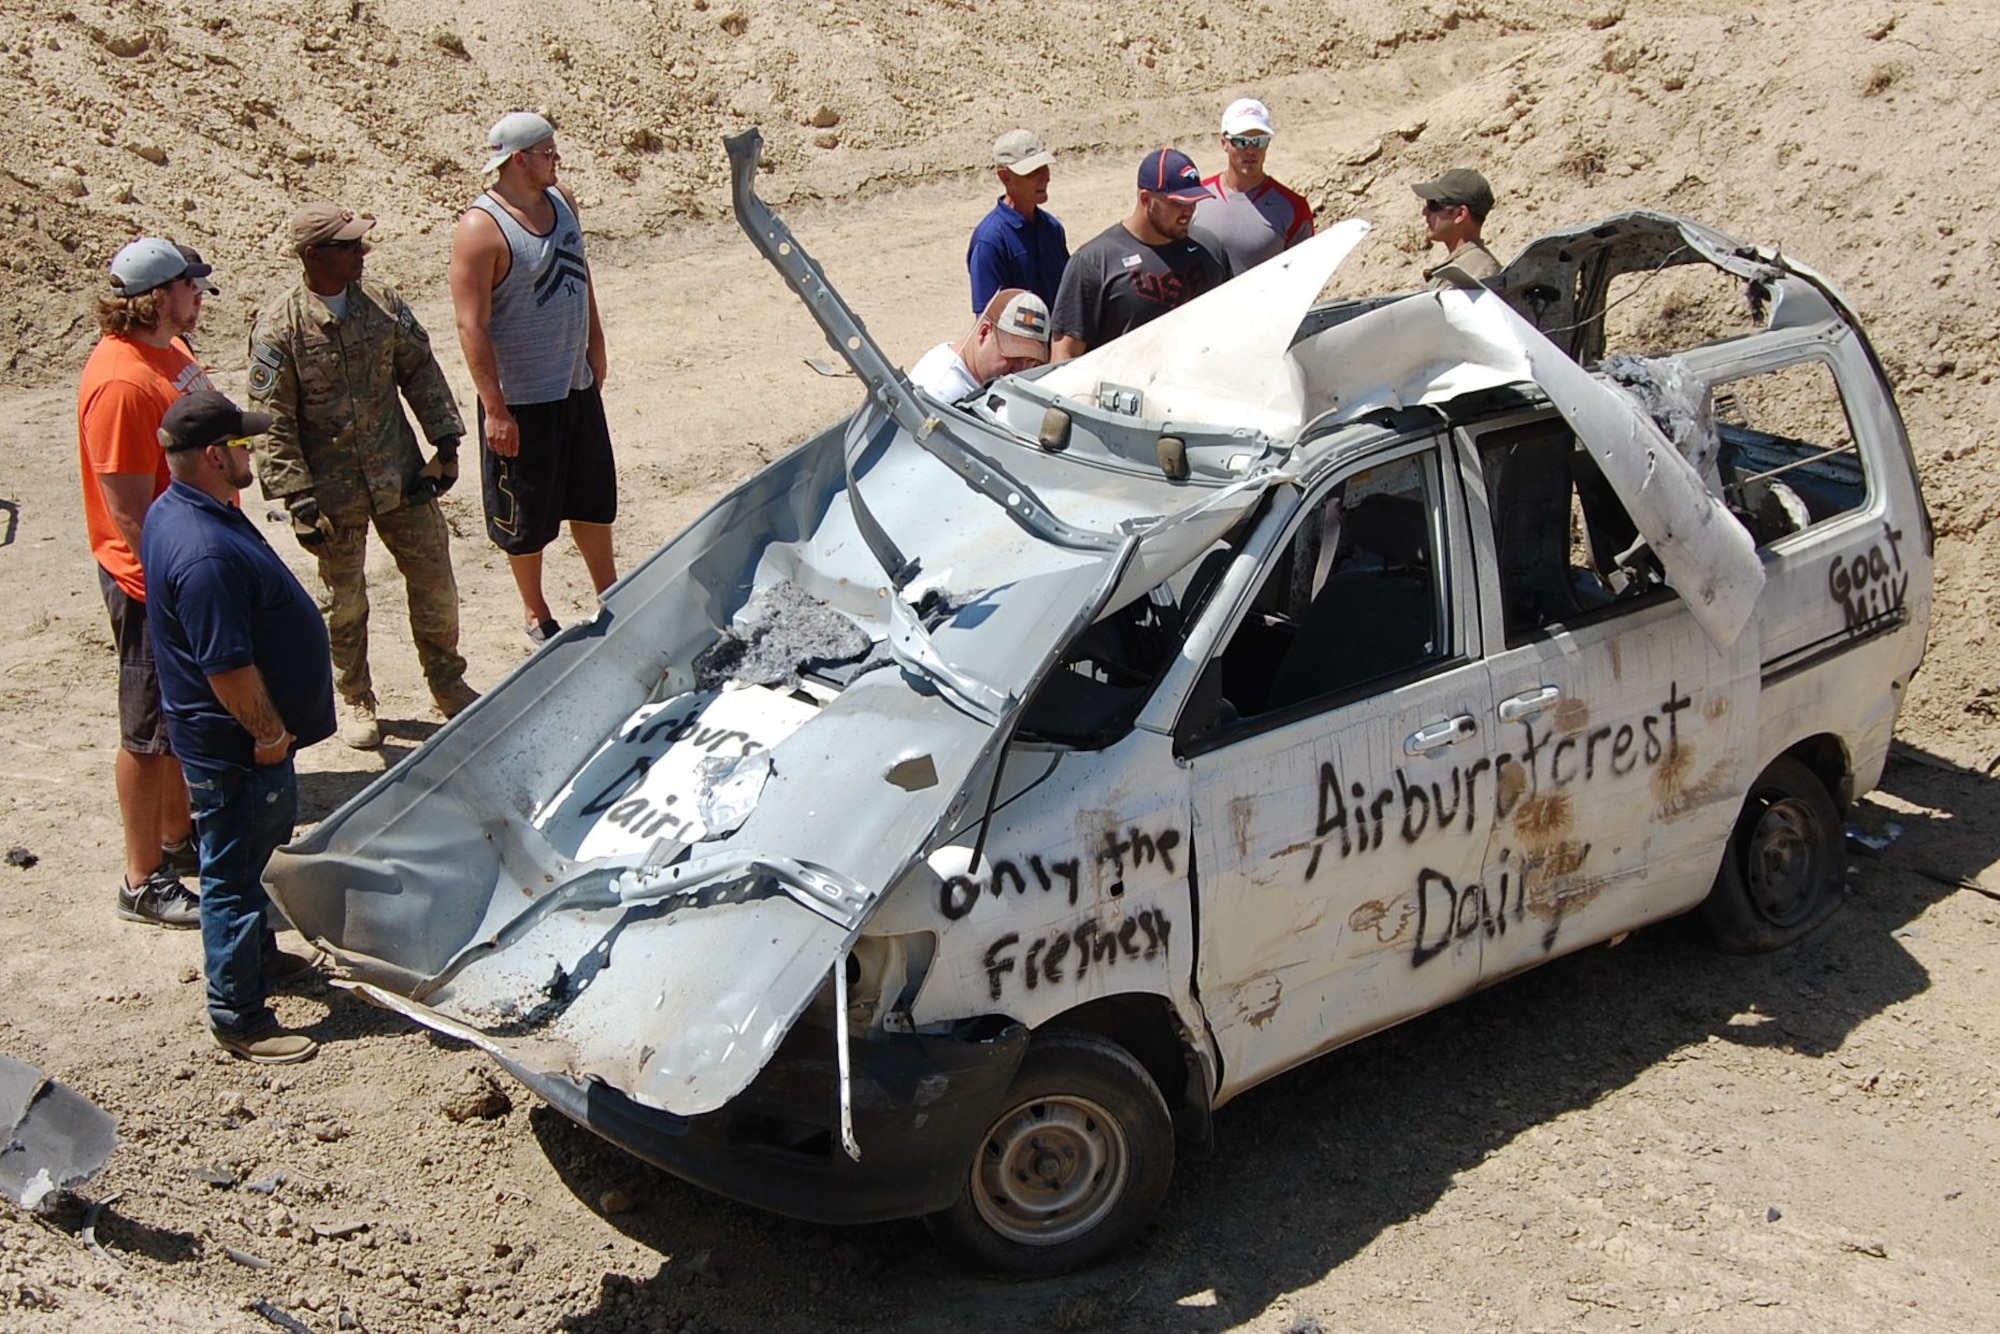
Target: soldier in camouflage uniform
point(327, 362)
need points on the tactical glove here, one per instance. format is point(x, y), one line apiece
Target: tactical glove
point(312, 528)
point(437, 476)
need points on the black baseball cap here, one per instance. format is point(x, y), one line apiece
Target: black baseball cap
point(206, 417)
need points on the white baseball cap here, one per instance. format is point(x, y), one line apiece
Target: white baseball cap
point(513, 132)
point(1021, 152)
point(1246, 115)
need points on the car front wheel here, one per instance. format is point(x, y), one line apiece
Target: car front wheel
point(1073, 1166)
point(1781, 874)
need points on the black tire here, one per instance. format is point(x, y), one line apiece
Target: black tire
point(1781, 875)
point(1072, 1168)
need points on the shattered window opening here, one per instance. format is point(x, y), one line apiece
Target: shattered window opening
point(1566, 547)
point(1788, 457)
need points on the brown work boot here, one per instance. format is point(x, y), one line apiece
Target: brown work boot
point(358, 727)
point(453, 697)
point(267, 1044)
point(283, 969)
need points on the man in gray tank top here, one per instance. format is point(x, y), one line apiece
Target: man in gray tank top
point(527, 320)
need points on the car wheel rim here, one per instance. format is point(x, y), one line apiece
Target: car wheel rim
point(1050, 1170)
point(1783, 868)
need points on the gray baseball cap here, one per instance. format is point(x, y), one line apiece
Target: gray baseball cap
point(513, 132)
point(151, 262)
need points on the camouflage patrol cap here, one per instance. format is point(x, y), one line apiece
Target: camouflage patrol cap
point(317, 224)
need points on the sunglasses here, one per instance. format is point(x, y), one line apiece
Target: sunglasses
point(1247, 140)
point(1439, 206)
point(353, 244)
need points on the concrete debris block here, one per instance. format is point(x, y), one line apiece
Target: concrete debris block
point(477, 1095)
point(52, 1138)
point(780, 632)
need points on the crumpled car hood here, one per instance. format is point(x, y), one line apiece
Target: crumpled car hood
point(519, 882)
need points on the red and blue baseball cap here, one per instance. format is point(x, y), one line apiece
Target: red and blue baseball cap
point(1172, 173)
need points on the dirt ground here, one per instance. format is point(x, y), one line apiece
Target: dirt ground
point(1646, 1137)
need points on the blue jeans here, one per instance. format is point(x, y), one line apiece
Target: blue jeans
point(240, 819)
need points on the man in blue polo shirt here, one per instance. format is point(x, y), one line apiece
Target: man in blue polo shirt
point(1020, 243)
point(246, 678)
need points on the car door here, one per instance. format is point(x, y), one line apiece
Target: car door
point(1342, 780)
point(1625, 735)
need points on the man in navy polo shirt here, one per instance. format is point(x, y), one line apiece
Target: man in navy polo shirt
point(246, 678)
point(1020, 243)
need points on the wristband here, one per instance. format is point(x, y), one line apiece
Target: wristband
point(262, 744)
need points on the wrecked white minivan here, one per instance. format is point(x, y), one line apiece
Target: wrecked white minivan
point(978, 797)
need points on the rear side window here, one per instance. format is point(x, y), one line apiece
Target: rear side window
point(1787, 459)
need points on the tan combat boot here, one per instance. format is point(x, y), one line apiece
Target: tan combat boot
point(454, 697)
point(358, 728)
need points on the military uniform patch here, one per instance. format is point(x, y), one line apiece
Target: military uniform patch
point(263, 379)
point(408, 319)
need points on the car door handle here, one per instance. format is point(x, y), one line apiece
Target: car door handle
point(1528, 703)
point(1439, 734)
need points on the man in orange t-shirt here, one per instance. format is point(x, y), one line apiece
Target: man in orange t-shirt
point(137, 370)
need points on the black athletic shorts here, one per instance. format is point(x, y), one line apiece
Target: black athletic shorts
point(142, 726)
point(564, 471)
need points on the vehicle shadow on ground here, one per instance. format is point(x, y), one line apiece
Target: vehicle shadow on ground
point(323, 792)
point(1309, 1169)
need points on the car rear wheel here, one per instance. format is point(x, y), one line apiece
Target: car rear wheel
point(1781, 875)
point(1072, 1167)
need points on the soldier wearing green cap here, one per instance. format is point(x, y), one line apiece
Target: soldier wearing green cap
point(327, 362)
point(1455, 208)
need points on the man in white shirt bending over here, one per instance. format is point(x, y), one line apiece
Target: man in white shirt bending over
point(1011, 334)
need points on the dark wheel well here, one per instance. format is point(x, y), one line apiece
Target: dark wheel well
point(1147, 1027)
point(1827, 758)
